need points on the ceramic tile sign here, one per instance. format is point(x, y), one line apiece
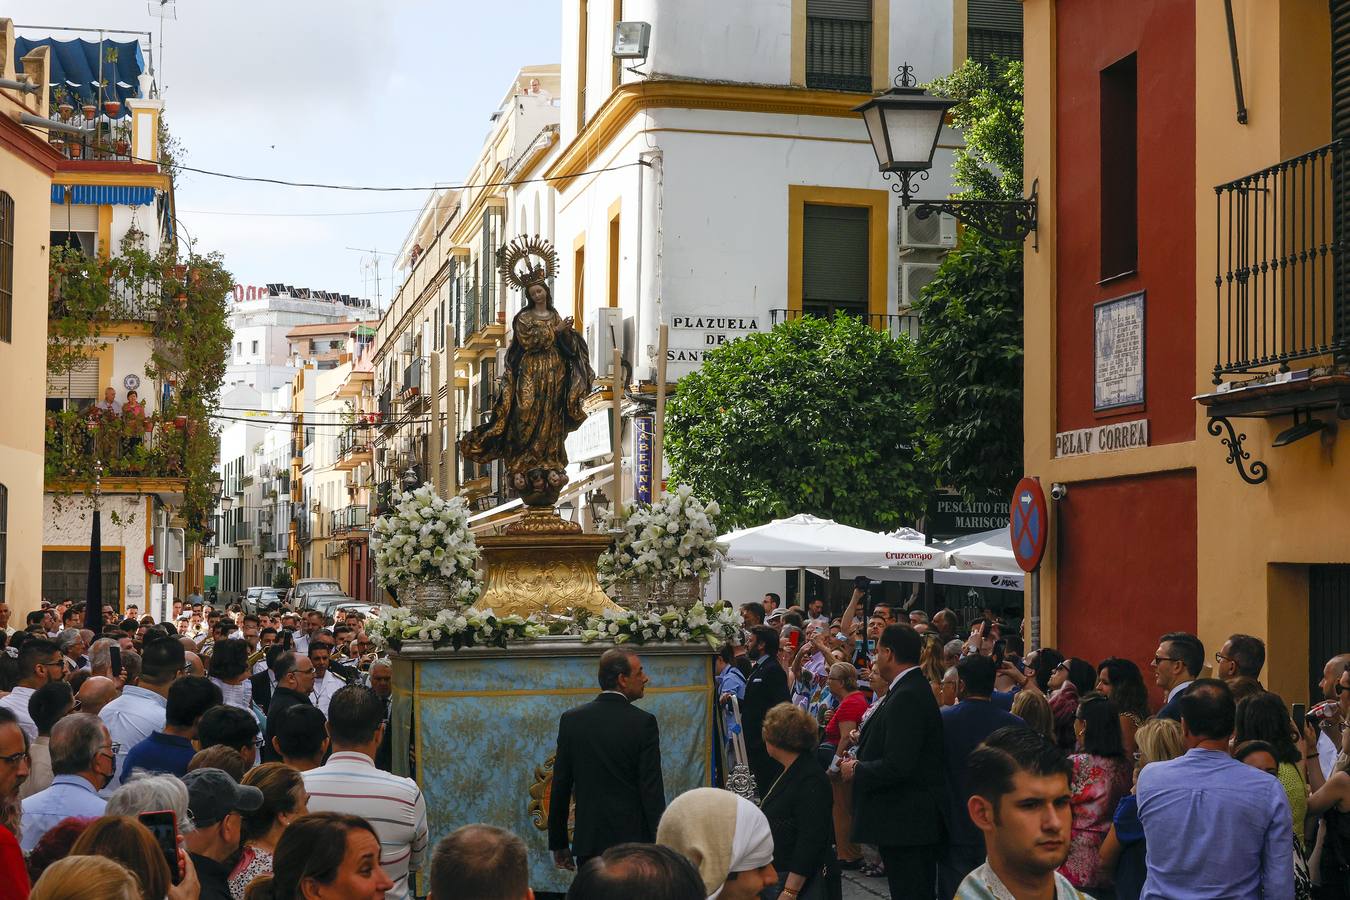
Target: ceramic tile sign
point(1118, 352)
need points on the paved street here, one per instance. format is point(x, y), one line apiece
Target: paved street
point(859, 887)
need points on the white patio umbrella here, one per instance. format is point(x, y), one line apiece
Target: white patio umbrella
point(811, 542)
point(988, 551)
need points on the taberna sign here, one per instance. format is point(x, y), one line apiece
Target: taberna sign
point(644, 428)
point(1102, 439)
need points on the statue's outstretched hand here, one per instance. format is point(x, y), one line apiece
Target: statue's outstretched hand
point(563, 325)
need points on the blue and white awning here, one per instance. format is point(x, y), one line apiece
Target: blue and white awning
point(119, 195)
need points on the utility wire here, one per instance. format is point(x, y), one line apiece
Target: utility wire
point(260, 179)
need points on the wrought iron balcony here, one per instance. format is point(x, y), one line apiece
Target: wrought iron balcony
point(414, 384)
point(1279, 294)
point(384, 497)
point(126, 445)
point(839, 54)
point(349, 519)
point(894, 325)
point(354, 447)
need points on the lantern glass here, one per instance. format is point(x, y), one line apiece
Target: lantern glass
point(912, 135)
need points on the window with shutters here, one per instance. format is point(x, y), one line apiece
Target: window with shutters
point(76, 388)
point(835, 259)
point(993, 29)
point(839, 45)
point(65, 575)
point(6, 282)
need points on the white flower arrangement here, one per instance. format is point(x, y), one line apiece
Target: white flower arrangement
point(710, 623)
point(427, 537)
point(394, 625)
point(670, 539)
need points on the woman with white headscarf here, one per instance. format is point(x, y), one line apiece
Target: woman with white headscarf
point(726, 837)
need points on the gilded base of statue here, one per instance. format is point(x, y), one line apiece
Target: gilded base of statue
point(534, 571)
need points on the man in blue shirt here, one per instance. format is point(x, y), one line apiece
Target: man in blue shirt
point(1214, 827)
point(171, 750)
point(82, 763)
point(964, 727)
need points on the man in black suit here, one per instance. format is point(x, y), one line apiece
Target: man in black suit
point(265, 681)
point(295, 679)
point(1176, 663)
point(964, 727)
point(609, 758)
point(899, 780)
point(765, 688)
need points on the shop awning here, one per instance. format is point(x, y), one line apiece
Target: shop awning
point(77, 65)
point(98, 194)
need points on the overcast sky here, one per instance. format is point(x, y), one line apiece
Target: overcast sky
point(389, 92)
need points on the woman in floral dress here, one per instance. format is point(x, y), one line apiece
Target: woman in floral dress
point(1101, 776)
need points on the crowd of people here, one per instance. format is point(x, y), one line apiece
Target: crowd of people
point(212, 756)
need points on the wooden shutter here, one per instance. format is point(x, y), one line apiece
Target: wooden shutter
point(998, 15)
point(835, 255)
point(840, 9)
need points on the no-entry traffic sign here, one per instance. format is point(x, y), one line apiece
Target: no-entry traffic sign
point(1028, 523)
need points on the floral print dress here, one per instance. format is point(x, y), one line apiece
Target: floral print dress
point(1095, 790)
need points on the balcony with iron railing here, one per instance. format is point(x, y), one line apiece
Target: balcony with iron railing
point(354, 447)
point(384, 497)
point(242, 532)
point(896, 326)
point(1282, 313)
point(1279, 252)
point(104, 130)
point(126, 446)
point(350, 521)
point(414, 389)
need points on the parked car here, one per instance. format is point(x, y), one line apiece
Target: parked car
point(326, 602)
point(266, 599)
point(305, 586)
point(369, 610)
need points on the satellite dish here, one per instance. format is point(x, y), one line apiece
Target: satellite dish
point(163, 9)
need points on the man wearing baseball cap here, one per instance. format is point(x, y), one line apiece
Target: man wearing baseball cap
point(215, 801)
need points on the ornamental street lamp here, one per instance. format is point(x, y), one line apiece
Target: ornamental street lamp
point(904, 125)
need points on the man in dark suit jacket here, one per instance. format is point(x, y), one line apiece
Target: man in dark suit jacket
point(609, 759)
point(263, 681)
point(964, 727)
point(295, 679)
point(765, 688)
point(899, 778)
point(1176, 663)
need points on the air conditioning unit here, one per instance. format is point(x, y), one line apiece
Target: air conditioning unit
point(332, 550)
point(913, 277)
point(315, 505)
point(604, 334)
point(937, 232)
point(407, 342)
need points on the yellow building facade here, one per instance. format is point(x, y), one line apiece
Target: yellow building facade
point(27, 163)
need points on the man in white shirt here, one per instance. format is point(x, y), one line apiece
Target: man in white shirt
point(140, 711)
point(350, 783)
point(326, 682)
point(40, 662)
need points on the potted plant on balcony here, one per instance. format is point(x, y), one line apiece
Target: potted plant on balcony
point(122, 139)
point(89, 108)
point(63, 104)
point(74, 150)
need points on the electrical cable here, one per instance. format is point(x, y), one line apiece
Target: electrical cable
point(260, 179)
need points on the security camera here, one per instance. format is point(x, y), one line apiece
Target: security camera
point(1058, 491)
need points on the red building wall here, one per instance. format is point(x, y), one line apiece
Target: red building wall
point(1126, 564)
point(1092, 35)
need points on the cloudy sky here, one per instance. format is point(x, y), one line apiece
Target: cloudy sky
point(391, 92)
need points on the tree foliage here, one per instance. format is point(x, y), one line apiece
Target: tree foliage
point(815, 416)
point(970, 345)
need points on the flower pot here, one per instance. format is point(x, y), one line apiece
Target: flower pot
point(75, 150)
point(122, 147)
point(66, 110)
point(90, 110)
point(112, 108)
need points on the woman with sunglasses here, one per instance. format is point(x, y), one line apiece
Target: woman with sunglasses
point(1070, 680)
point(1101, 776)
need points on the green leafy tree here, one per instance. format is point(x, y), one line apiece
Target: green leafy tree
point(815, 416)
point(970, 344)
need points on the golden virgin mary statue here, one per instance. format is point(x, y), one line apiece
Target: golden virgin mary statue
point(539, 395)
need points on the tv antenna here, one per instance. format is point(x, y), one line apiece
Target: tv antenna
point(373, 264)
point(161, 9)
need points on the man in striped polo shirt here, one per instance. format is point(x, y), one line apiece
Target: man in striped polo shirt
point(351, 784)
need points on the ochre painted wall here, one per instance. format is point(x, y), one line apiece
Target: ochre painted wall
point(1127, 567)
